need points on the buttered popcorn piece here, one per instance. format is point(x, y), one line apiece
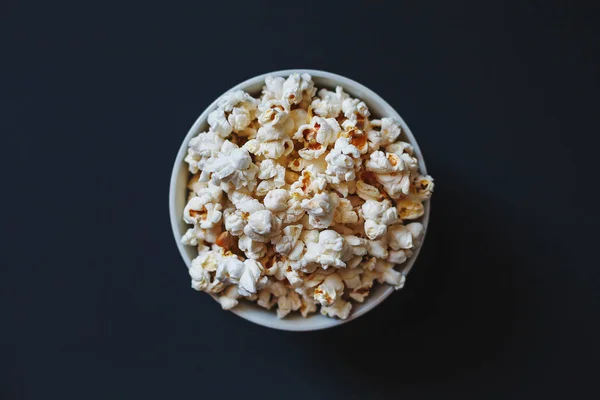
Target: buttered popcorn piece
point(300, 201)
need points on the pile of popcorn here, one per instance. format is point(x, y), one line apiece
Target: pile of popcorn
point(299, 200)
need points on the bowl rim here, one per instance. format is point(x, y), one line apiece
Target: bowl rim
point(349, 85)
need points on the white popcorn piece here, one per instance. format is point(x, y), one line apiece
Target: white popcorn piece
point(199, 211)
point(399, 237)
point(354, 246)
point(355, 107)
point(273, 89)
point(327, 251)
point(244, 202)
point(384, 163)
point(288, 303)
point(397, 257)
point(400, 148)
point(329, 104)
point(294, 212)
point(276, 200)
point(252, 249)
point(217, 120)
point(270, 142)
point(202, 268)
point(395, 184)
point(262, 226)
point(273, 176)
point(328, 291)
point(193, 235)
point(340, 309)
point(274, 113)
point(374, 140)
point(340, 166)
point(235, 221)
point(201, 148)
point(229, 298)
point(296, 87)
point(317, 136)
point(320, 209)
point(386, 273)
point(287, 242)
point(344, 213)
point(241, 108)
point(378, 248)
point(237, 98)
point(311, 181)
point(390, 130)
point(246, 275)
point(233, 165)
point(378, 215)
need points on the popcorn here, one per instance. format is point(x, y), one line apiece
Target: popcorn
point(296, 86)
point(270, 142)
point(368, 192)
point(246, 275)
point(400, 148)
point(329, 104)
point(340, 309)
point(277, 200)
point(273, 176)
point(317, 136)
point(378, 215)
point(217, 120)
point(262, 226)
point(288, 303)
point(422, 187)
point(287, 242)
point(328, 291)
point(229, 298)
point(199, 211)
point(252, 249)
point(340, 166)
point(311, 181)
point(327, 251)
point(320, 209)
point(193, 235)
point(395, 184)
point(409, 208)
point(344, 213)
point(291, 90)
point(354, 107)
point(355, 246)
point(385, 272)
point(235, 221)
point(301, 202)
point(384, 163)
point(201, 148)
point(390, 130)
point(242, 109)
point(234, 166)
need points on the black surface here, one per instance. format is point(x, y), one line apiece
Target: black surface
point(96, 98)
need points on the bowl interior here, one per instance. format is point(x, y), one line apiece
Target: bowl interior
point(178, 196)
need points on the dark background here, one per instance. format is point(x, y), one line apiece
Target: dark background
point(96, 99)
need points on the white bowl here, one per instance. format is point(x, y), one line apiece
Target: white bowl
point(178, 195)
